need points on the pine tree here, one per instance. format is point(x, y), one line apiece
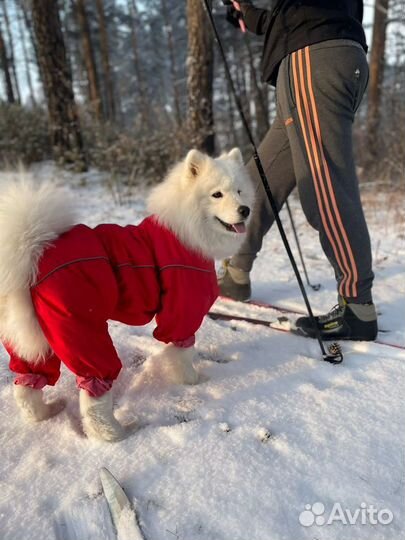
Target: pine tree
point(11, 51)
point(63, 120)
point(6, 71)
point(105, 60)
point(89, 60)
point(377, 64)
point(200, 63)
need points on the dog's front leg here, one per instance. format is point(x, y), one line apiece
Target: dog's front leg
point(98, 418)
point(32, 405)
point(174, 364)
point(182, 362)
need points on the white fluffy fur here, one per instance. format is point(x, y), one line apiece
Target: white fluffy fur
point(32, 215)
point(183, 202)
point(98, 418)
point(32, 405)
point(173, 365)
point(19, 326)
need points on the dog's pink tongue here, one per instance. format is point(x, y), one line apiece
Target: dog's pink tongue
point(239, 227)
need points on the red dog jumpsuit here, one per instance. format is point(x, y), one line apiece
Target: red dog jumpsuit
point(128, 274)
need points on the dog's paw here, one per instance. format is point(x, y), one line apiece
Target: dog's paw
point(186, 373)
point(44, 411)
point(108, 431)
point(33, 406)
point(179, 371)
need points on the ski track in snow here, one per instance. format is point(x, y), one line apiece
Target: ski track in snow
point(239, 456)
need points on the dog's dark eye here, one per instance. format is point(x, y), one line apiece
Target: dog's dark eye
point(239, 191)
point(217, 195)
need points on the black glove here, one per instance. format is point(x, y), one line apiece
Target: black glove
point(233, 16)
point(230, 3)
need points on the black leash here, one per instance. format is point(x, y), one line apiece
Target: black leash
point(334, 354)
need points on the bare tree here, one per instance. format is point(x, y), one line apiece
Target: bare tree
point(172, 59)
point(11, 50)
point(140, 78)
point(105, 60)
point(6, 70)
point(200, 64)
point(89, 59)
point(63, 119)
point(26, 60)
point(261, 112)
point(28, 24)
point(377, 64)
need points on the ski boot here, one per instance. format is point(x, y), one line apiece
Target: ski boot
point(234, 283)
point(357, 322)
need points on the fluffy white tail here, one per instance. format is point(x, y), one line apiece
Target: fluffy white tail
point(32, 215)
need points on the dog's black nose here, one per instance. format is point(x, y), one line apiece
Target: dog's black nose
point(244, 211)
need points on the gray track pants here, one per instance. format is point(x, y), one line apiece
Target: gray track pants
point(319, 89)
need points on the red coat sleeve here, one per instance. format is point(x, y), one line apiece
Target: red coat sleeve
point(187, 295)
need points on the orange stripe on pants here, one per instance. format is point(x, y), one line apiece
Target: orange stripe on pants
point(313, 158)
point(351, 285)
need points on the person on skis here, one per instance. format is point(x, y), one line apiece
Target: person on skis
point(314, 53)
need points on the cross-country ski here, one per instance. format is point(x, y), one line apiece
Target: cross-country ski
point(275, 317)
point(123, 514)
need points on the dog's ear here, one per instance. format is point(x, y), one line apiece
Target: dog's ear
point(236, 155)
point(194, 162)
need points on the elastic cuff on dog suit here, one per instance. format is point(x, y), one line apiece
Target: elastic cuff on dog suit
point(32, 380)
point(93, 386)
point(185, 343)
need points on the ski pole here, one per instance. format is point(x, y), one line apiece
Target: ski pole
point(313, 287)
point(334, 354)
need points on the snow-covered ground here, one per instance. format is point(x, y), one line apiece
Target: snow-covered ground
point(242, 455)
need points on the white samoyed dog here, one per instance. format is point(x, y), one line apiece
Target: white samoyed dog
point(204, 202)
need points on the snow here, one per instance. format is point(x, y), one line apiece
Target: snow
point(239, 456)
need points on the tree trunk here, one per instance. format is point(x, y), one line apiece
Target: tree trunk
point(105, 59)
point(6, 71)
point(89, 60)
point(377, 62)
point(261, 113)
point(140, 79)
point(172, 58)
point(28, 24)
point(63, 120)
point(230, 109)
point(200, 63)
point(241, 75)
point(11, 47)
point(26, 61)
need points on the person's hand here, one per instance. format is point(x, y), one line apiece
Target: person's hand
point(234, 14)
point(238, 5)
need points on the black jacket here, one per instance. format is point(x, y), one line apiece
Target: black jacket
point(294, 24)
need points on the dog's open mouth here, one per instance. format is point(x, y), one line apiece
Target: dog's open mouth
point(233, 227)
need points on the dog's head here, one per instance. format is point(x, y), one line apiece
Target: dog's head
point(206, 202)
